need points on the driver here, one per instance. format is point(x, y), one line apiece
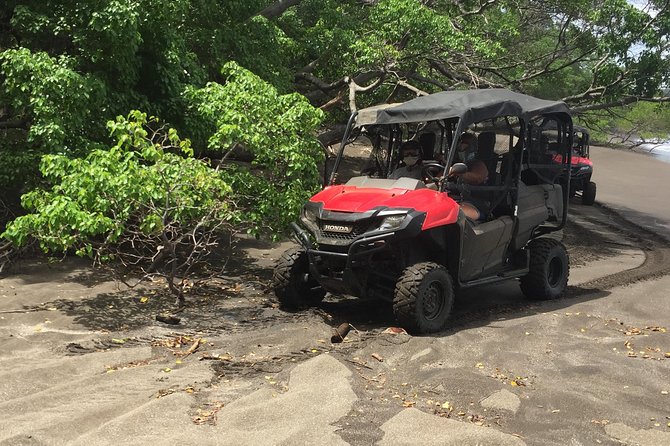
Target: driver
point(410, 152)
point(476, 175)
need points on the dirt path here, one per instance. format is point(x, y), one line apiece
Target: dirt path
point(83, 361)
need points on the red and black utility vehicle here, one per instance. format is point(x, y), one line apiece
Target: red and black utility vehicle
point(407, 241)
point(582, 167)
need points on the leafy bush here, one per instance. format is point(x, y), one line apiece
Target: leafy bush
point(145, 202)
point(278, 130)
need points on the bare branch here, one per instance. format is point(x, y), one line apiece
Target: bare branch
point(277, 8)
point(15, 124)
point(482, 6)
point(355, 88)
point(324, 86)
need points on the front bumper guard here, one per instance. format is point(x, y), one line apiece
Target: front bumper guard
point(361, 248)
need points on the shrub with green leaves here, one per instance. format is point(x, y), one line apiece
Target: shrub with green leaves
point(145, 202)
point(278, 130)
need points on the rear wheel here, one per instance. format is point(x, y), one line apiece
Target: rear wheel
point(292, 283)
point(549, 270)
point(589, 193)
point(423, 298)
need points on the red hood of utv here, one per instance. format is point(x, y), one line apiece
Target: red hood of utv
point(440, 209)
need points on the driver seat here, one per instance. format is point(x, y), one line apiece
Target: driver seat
point(486, 144)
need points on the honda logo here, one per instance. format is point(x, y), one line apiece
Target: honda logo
point(337, 228)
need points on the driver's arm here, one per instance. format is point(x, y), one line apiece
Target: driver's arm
point(477, 174)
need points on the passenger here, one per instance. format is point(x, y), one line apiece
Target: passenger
point(476, 175)
point(410, 153)
point(467, 148)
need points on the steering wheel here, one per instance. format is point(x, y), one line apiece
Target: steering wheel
point(432, 171)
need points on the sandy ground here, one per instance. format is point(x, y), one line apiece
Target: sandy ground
point(83, 361)
point(635, 185)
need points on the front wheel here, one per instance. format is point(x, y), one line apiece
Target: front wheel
point(423, 298)
point(589, 193)
point(292, 283)
point(549, 270)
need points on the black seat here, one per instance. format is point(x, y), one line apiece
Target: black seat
point(427, 141)
point(486, 144)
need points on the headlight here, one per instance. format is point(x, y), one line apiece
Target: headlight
point(310, 213)
point(310, 216)
point(392, 222)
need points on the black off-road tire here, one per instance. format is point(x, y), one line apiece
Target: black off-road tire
point(589, 193)
point(549, 270)
point(288, 281)
point(424, 295)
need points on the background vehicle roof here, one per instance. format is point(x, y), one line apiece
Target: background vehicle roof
point(469, 105)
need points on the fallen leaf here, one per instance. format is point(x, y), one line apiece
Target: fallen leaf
point(395, 330)
point(164, 392)
point(556, 411)
point(664, 392)
point(447, 406)
point(479, 365)
point(118, 341)
point(408, 404)
point(167, 369)
point(378, 357)
point(194, 346)
point(602, 422)
point(144, 299)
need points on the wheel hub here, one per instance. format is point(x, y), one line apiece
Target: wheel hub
point(555, 272)
point(433, 300)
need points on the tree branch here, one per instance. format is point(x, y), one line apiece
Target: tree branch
point(619, 103)
point(277, 8)
point(16, 124)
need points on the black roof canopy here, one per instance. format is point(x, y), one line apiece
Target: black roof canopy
point(469, 105)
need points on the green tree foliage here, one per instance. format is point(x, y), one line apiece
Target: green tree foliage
point(279, 130)
point(631, 125)
point(55, 100)
point(67, 67)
